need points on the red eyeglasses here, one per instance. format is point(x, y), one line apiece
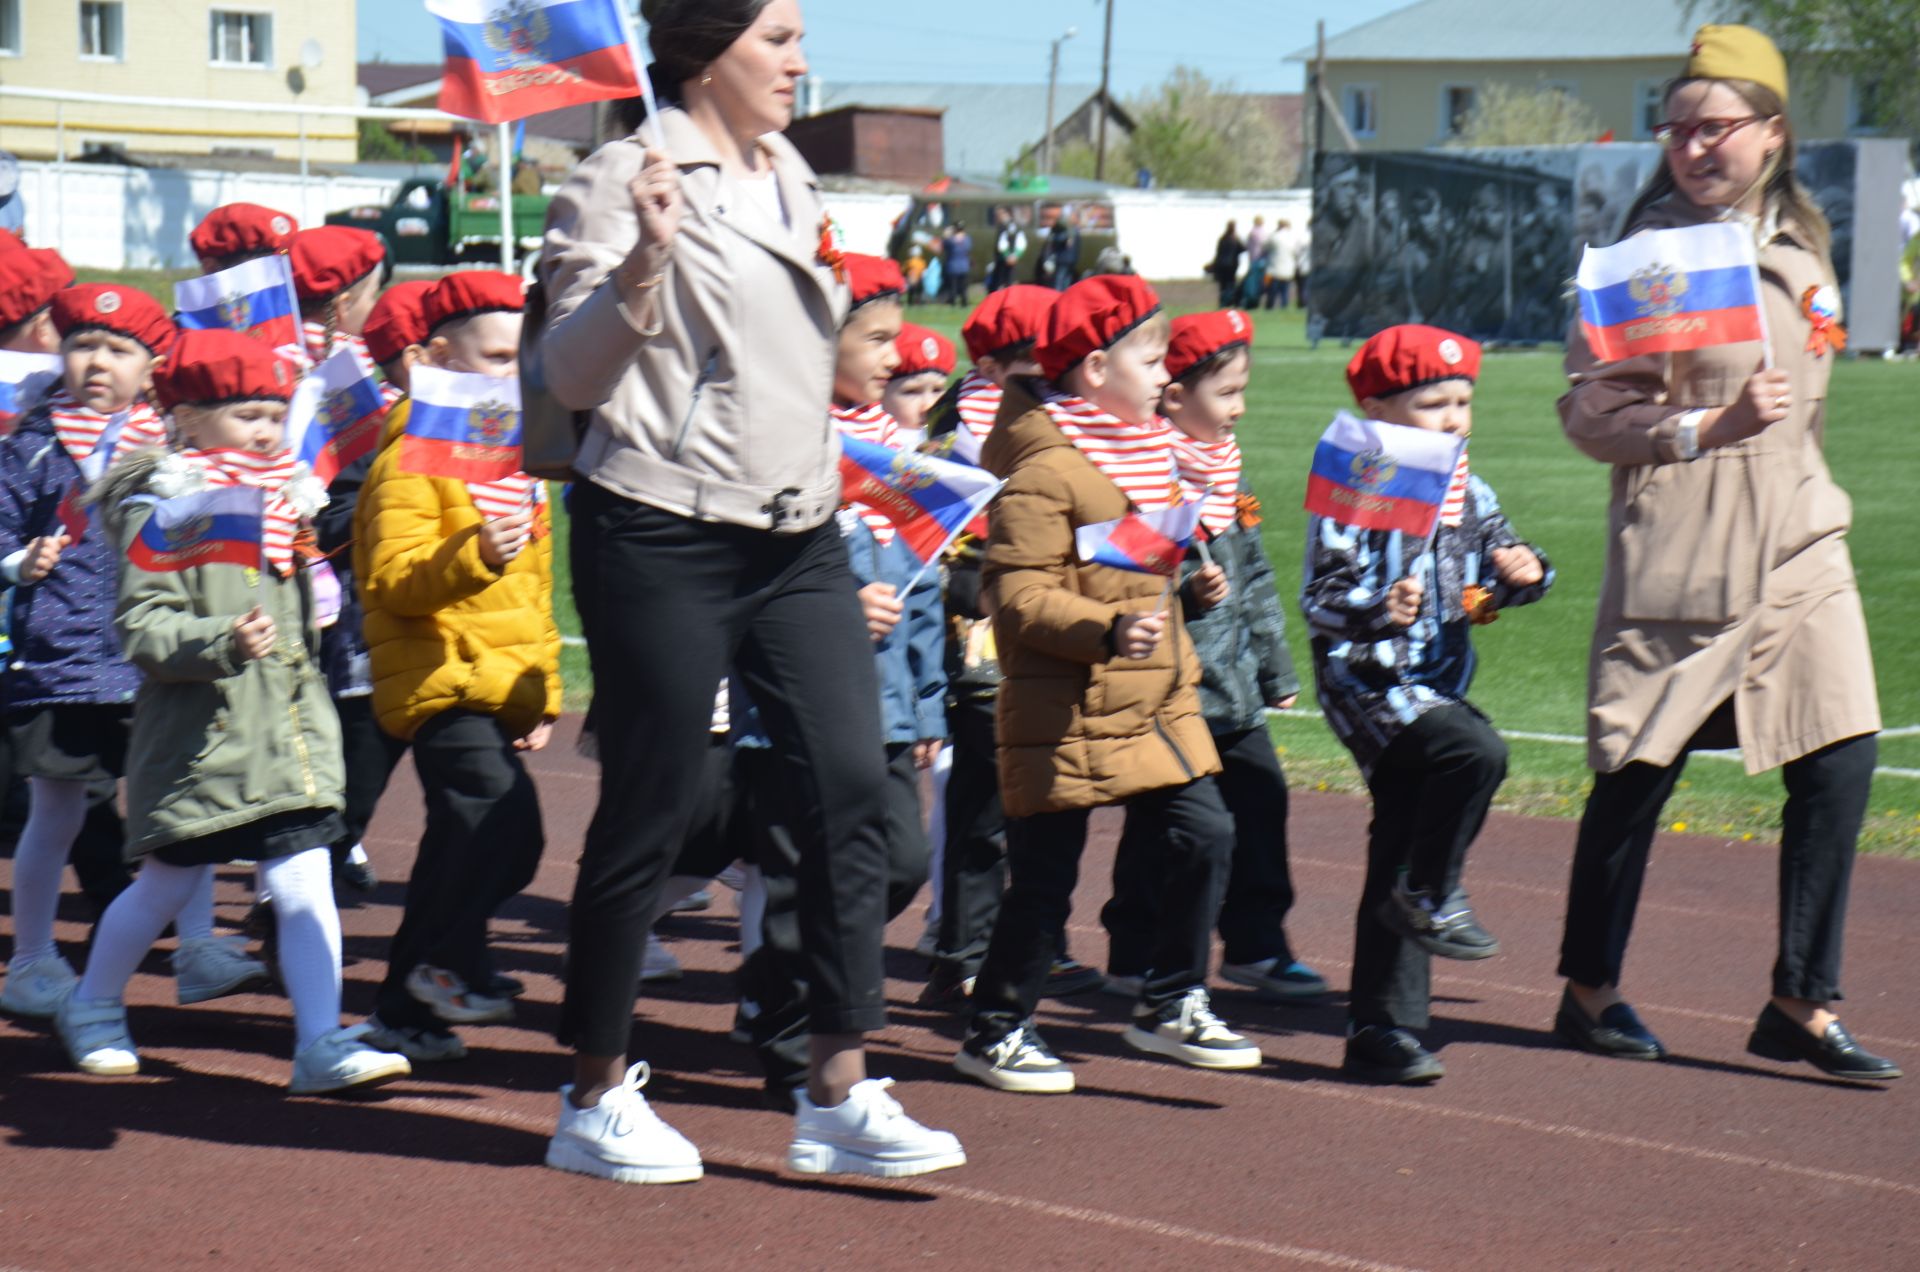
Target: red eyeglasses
point(1712, 132)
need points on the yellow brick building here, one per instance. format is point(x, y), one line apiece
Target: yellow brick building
point(269, 52)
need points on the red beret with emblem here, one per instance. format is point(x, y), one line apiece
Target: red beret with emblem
point(217, 365)
point(399, 319)
point(1011, 317)
point(331, 258)
point(125, 311)
point(1199, 338)
point(1093, 314)
point(29, 277)
point(922, 350)
point(241, 229)
point(872, 278)
point(473, 291)
point(1408, 356)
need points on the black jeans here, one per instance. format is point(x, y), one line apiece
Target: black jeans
point(973, 868)
point(1431, 791)
point(371, 754)
point(1253, 915)
point(671, 606)
point(1190, 827)
point(1826, 802)
point(481, 847)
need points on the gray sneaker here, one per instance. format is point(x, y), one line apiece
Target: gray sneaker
point(209, 967)
point(35, 990)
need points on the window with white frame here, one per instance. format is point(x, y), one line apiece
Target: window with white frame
point(1456, 105)
point(241, 39)
point(10, 28)
point(1360, 103)
point(103, 32)
point(1649, 107)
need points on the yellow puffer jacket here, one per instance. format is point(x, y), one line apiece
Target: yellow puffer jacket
point(446, 629)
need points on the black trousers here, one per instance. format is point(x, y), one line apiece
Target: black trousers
point(371, 754)
point(480, 848)
point(973, 867)
point(1253, 915)
point(99, 854)
point(1826, 803)
point(1431, 791)
point(999, 275)
point(671, 606)
point(775, 978)
point(1193, 833)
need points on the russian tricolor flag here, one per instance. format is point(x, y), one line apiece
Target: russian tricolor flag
point(1665, 290)
point(337, 414)
point(25, 378)
point(930, 500)
point(1144, 542)
point(1381, 476)
point(507, 59)
point(462, 426)
point(219, 526)
point(255, 298)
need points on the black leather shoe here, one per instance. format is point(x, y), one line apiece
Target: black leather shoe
point(1618, 1032)
point(1380, 1053)
point(1446, 929)
point(1777, 1037)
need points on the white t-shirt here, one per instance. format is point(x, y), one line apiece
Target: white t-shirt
point(764, 193)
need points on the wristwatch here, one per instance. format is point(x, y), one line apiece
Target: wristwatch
point(1687, 437)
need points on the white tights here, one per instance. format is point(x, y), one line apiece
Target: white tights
point(309, 928)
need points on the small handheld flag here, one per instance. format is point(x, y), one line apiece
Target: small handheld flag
point(1381, 476)
point(462, 426)
point(336, 414)
point(255, 298)
point(1144, 542)
point(930, 499)
point(24, 380)
point(1668, 290)
point(507, 59)
point(71, 516)
point(219, 526)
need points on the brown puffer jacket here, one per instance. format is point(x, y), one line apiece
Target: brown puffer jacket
point(1078, 727)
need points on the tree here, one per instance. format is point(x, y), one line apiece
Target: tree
point(379, 144)
point(1525, 115)
point(1195, 135)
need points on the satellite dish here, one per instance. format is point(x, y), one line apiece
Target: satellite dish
point(296, 80)
point(311, 54)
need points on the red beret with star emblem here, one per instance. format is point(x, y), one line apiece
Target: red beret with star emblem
point(872, 278)
point(125, 311)
point(1093, 314)
point(217, 365)
point(1011, 317)
point(29, 277)
point(1200, 338)
point(331, 258)
point(399, 319)
point(241, 229)
point(467, 292)
point(1409, 356)
point(922, 350)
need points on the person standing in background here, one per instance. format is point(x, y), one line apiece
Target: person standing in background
point(1283, 261)
point(957, 257)
point(1226, 262)
point(1009, 245)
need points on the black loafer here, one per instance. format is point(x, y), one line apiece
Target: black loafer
point(1380, 1053)
point(1447, 929)
point(1618, 1031)
point(1777, 1037)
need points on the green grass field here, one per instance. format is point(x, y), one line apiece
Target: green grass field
point(1532, 675)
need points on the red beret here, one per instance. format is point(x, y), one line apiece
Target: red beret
point(1093, 314)
point(1408, 356)
point(1012, 316)
point(467, 292)
point(873, 278)
point(399, 319)
point(217, 365)
point(29, 276)
point(237, 229)
point(125, 311)
point(332, 258)
point(922, 350)
point(10, 242)
point(1199, 337)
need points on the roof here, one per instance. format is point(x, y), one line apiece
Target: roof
point(1516, 31)
point(382, 78)
point(985, 126)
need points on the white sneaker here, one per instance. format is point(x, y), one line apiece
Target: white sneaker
point(342, 1060)
point(35, 990)
point(870, 1134)
point(621, 1138)
point(420, 1044)
point(209, 967)
point(657, 963)
point(95, 1036)
point(1187, 1030)
point(448, 997)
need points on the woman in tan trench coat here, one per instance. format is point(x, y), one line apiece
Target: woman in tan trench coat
point(1728, 612)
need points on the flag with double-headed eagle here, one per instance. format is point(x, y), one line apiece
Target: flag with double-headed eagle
point(462, 426)
point(508, 59)
point(929, 500)
point(255, 298)
point(1379, 476)
point(337, 414)
point(1662, 291)
point(223, 525)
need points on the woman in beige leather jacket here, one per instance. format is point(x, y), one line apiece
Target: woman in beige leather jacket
point(1728, 613)
point(695, 295)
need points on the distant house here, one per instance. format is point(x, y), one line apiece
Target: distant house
point(881, 143)
point(985, 127)
point(1408, 80)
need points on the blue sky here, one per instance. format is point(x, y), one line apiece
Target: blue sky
point(1004, 41)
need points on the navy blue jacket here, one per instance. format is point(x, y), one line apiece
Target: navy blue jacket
point(65, 651)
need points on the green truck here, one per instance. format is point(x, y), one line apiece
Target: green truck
point(426, 224)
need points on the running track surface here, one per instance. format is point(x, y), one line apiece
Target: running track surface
point(1527, 1155)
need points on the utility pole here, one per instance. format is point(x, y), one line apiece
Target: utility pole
point(1106, 69)
point(1053, 85)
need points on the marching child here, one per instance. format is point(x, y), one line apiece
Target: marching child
point(457, 581)
point(1098, 706)
point(1233, 613)
point(337, 273)
point(235, 233)
point(926, 364)
point(1000, 336)
point(1393, 658)
point(234, 751)
point(30, 277)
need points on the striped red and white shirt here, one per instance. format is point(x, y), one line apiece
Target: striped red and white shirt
point(1210, 471)
point(80, 428)
point(870, 423)
point(1454, 507)
point(281, 519)
point(503, 498)
point(978, 402)
point(1138, 458)
point(318, 350)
